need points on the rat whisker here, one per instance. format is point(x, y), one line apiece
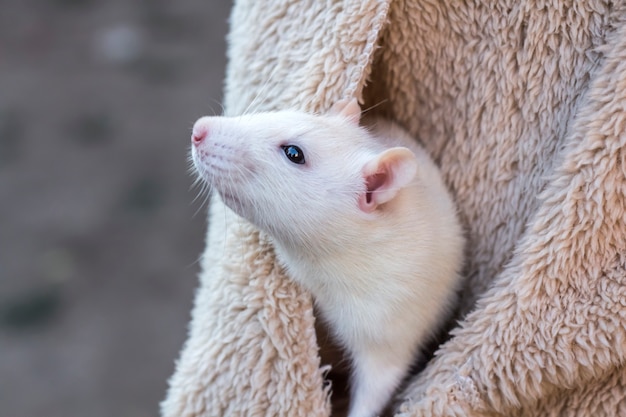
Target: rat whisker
point(219, 104)
point(206, 191)
point(204, 187)
point(260, 93)
point(374, 106)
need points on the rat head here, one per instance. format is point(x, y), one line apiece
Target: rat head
point(307, 180)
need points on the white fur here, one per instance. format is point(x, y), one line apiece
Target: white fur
point(383, 278)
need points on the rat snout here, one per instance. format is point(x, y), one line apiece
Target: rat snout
point(200, 131)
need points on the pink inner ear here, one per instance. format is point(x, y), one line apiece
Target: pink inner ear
point(374, 182)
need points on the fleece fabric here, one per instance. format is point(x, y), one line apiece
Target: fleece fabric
point(522, 104)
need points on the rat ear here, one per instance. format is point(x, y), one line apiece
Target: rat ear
point(385, 175)
point(348, 108)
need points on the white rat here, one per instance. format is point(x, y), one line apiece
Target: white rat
point(360, 217)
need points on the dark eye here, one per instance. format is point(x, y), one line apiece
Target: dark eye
point(294, 154)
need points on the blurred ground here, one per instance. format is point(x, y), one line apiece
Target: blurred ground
point(98, 238)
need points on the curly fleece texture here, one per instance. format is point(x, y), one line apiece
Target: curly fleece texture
point(523, 106)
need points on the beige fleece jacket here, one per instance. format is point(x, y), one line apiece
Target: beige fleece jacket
point(523, 106)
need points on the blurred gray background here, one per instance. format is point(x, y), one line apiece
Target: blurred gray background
point(98, 238)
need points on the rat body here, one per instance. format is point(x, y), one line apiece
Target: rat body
point(359, 217)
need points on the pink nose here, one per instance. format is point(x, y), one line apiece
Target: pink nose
point(198, 134)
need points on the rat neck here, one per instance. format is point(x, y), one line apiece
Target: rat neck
point(346, 264)
point(323, 271)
